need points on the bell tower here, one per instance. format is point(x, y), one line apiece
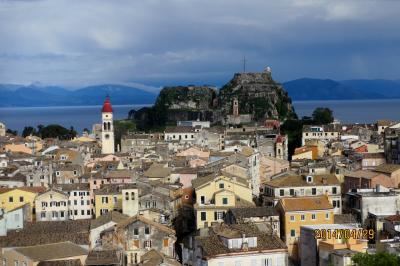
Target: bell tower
point(235, 110)
point(107, 131)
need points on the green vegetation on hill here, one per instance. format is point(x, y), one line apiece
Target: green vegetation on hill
point(50, 131)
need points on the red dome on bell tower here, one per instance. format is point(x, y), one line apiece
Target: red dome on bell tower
point(107, 108)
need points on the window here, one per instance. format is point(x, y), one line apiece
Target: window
point(62, 214)
point(266, 262)
point(291, 192)
point(292, 233)
point(334, 190)
point(88, 212)
point(115, 200)
point(314, 191)
point(292, 218)
point(21, 199)
point(165, 242)
point(225, 201)
point(54, 214)
point(75, 202)
point(334, 203)
point(282, 192)
point(43, 215)
point(218, 215)
point(203, 216)
point(10, 199)
point(202, 199)
point(147, 230)
point(136, 231)
point(221, 185)
point(327, 215)
point(132, 195)
point(313, 216)
point(303, 217)
point(75, 212)
point(104, 199)
point(147, 244)
point(126, 195)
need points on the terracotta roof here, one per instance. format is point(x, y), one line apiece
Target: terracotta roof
point(300, 181)
point(213, 246)
point(180, 129)
point(27, 189)
point(112, 216)
point(157, 171)
point(76, 262)
point(52, 251)
point(154, 258)
point(362, 174)
point(387, 168)
point(135, 218)
point(253, 212)
point(393, 218)
point(48, 232)
point(306, 204)
point(112, 189)
point(102, 257)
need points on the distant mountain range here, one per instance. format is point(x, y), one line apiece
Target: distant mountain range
point(303, 89)
point(306, 89)
point(34, 95)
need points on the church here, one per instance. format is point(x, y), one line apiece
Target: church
point(107, 130)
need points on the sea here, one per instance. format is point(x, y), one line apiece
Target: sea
point(80, 117)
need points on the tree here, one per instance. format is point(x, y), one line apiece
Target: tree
point(28, 131)
point(322, 116)
point(12, 132)
point(378, 259)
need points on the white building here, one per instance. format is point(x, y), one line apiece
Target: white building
point(130, 201)
point(323, 133)
point(79, 201)
point(304, 186)
point(107, 132)
point(234, 246)
point(52, 206)
point(2, 130)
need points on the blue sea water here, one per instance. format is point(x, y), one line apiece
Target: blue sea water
point(80, 117)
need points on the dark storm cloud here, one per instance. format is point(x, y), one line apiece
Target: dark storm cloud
point(161, 42)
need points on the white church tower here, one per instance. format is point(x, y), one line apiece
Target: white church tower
point(107, 132)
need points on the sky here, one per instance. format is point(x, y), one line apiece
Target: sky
point(153, 43)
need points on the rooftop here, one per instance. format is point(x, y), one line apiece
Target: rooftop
point(306, 204)
point(52, 251)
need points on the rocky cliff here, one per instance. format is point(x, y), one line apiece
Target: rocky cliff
point(258, 95)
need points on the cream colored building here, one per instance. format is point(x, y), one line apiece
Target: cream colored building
point(52, 205)
point(215, 194)
point(2, 130)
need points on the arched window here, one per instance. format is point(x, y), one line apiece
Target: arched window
point(109, 125)
point(105, 126)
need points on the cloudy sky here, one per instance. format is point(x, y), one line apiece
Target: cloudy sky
point(165, 42)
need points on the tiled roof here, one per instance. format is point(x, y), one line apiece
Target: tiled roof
point(75, 262)
point(180, 129)
point(48, 232)
point(75, 186)
point(102, 257)
point(135, 218)
point(112, 189)
point(113, 216)
point(27, 189)
point(253, 212)
point(361, 174)
point(213, 246)
point(300, 181)
point(393, 218)
point(387, 168)
point(157, 171)
point(52, 251)
point(306, 204)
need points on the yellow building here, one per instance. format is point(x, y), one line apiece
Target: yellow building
point(296, 212)
point(215, 194)
point(107, 199)
point(12, 198)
